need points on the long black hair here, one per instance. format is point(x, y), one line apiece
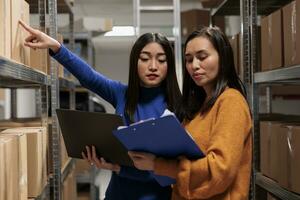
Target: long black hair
point(193, 96)
point(169, 84)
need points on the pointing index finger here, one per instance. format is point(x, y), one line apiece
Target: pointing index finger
point(27, 27)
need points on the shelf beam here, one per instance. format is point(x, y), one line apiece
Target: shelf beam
point(282, 75)
point(16, 75)
point(273, 187)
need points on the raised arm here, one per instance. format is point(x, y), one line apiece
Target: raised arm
point(108, 89)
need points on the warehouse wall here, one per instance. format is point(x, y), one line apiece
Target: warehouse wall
point(112, 59)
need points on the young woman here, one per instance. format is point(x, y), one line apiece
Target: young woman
point(151, 89)
point(215, 112)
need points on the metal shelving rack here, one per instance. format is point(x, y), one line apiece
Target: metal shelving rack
point(14, 75)
point(56, 83)
point(248, 10)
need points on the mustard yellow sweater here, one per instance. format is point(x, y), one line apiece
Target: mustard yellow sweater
point(224, 135)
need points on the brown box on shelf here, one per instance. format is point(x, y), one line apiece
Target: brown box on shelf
point(291, 27)
point(15, 166)
point(69, 187)
point(5, 28)
point(83, 196)
point(192, 20)
point(19, 10)
point(63, 152)
point(2, 172)
point(60, 68)
point(219, 21)
point(271, 41)
point(36, 155)
point(290, 158)
point(270, 149)
point(39, 59)
point(6, 124)
point(270, 197)
point(82, 167)
point(2, 94)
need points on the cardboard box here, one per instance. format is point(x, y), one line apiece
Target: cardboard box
point(271, 41)
point(19, 10)
point(69, 187)
point(39, 59)
point(12, 174)
point(2, 172)
point(60, 68)
point(193, 20)
point(219, 21)
point(291, 34)
point(83, 196)
point(270, 197)
point(269, 148)
point(290, 158)
point(5, 28)
point(82, 167)
point(36, 155)
point(2, 94)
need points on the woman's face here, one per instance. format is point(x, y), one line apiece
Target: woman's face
point(152, 65)
point(202, 62)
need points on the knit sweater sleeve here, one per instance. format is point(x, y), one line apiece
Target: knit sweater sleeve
point(213, 174)
point(106, 88)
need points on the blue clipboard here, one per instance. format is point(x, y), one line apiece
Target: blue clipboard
point(164, 137)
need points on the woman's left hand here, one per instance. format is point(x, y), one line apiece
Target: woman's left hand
point(142, 160)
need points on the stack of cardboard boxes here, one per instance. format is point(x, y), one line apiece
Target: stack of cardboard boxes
point(280, 138)
point(280, 152)
point(11, 34)
point(25, 162)
point(280, 33)
point(12, 37)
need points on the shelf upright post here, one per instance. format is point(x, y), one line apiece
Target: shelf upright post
point(42, 92)
point(248, 12)
point(178, 42)
point(72, 48)
point(254, 94)
point(56, 178)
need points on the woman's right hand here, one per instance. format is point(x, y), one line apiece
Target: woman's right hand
point(39, 40)
point(92, 158)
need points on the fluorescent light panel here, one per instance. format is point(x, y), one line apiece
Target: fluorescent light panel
point(121, 31)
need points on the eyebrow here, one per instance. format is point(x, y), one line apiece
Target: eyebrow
point(200, 51)
point(148, 53)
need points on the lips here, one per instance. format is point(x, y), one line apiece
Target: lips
point(198, 75)
point(152, 76)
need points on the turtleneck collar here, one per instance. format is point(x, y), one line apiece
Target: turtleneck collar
point(150, 93)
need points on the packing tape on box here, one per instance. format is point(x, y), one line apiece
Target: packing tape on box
point(290, 155)
point(294, 30)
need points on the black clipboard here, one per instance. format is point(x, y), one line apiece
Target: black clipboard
point(81, 128)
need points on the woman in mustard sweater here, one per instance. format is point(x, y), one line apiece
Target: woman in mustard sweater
point(215, 112)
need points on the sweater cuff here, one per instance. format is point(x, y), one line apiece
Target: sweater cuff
point(59, 55)
point(165, 167)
